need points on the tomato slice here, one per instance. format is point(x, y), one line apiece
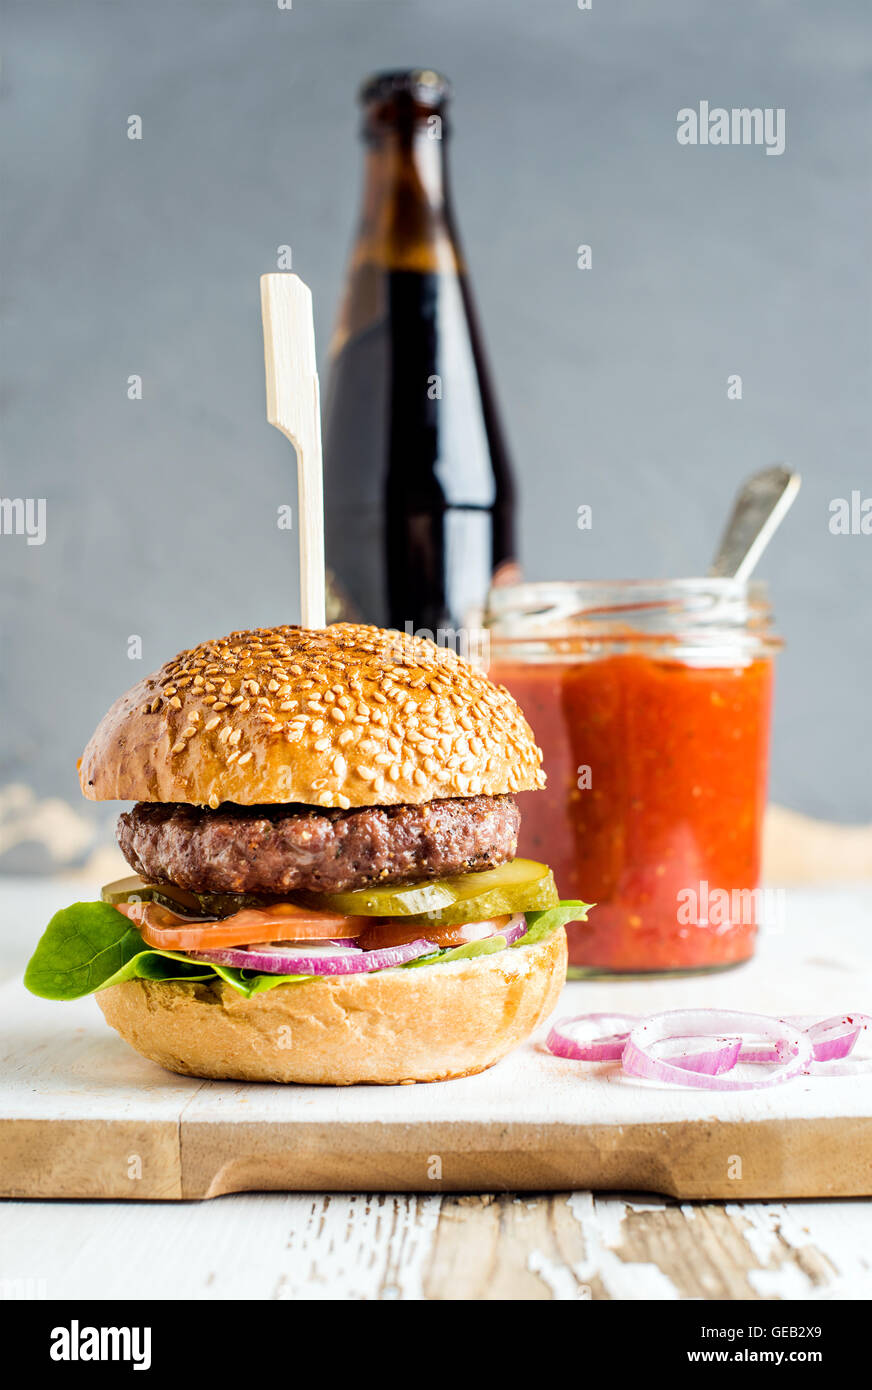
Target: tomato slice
point(282, 922)
point(398, 931)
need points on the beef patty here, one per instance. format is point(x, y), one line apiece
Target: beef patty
point(279, 849)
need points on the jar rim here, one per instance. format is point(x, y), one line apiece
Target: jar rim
point(702, 612)
point(689, 584)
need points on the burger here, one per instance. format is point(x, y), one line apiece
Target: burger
point(325, 887)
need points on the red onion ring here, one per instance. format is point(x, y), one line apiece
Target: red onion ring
point(515, 929)
point(799, 1044)
point(602, 1046)
point(832, 1038)
point(607, 1036)
point(794, 1046)
point(710, 1063)
point(344, 961)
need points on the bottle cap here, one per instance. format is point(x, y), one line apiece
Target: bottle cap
point(422, 85)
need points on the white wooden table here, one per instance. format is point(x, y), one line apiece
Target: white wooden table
point(444, 1247)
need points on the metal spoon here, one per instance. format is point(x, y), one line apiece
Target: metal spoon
point(762, 504)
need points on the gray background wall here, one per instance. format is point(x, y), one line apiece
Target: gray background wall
point(123, 257)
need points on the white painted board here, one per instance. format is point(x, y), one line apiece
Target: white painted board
point(82, 1115)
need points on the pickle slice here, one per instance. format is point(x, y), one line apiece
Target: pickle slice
point(522, 886)
point(181, 900)
point(211, 905)
point(125, 890)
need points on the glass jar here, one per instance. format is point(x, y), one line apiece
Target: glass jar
point(651, 702)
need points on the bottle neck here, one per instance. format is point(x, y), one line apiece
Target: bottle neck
point(406, 220)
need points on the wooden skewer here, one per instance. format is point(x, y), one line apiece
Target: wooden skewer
point(293, 405)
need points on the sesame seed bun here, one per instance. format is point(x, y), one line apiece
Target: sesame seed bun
point(342, 716)
point(431, 1024)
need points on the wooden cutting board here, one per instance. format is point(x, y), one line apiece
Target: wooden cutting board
point(81, 1115)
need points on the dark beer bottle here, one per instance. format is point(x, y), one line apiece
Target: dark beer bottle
point(419, 493)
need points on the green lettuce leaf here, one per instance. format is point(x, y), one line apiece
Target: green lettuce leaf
point(250, 982)
point(472, 948)
point(90, 946)
point(542, 924)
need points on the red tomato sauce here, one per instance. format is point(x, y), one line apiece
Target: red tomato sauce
point(677, 759)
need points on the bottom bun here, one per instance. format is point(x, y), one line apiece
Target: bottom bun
point(430, 1024)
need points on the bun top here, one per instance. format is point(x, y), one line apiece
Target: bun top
point(341, 716)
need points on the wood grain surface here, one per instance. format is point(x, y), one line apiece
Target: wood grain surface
point(568, 1246)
